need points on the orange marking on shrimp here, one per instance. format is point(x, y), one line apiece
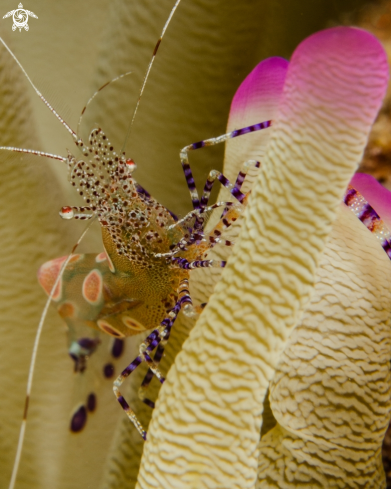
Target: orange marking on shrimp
point(75, 258)
point(111, 266)
point(101, 257)
point(107, 328)
point(47, 275)
point(67, 310)
point(92, 287)
point(133, 324)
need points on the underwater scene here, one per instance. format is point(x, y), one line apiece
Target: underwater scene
point(195, 286)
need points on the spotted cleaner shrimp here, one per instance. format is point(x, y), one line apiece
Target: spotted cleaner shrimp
point(142, 277)
point(141, 281)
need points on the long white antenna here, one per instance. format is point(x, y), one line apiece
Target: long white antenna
point(68, 128)
point(34, 152)
point(49, 155)
point(33, 361)
point(96, 93)
point(148, 70)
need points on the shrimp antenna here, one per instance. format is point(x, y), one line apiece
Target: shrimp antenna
point(148, 71)
point(33, 362)
point(34, 152)
point(67, 127)
point(95, 94)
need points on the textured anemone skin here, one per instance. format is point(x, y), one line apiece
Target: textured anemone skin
point(256, 99)
point(43, 470)
point(205, 429)
point(52, 457)
point(259, 93)
point(331, 391)
point(264, 92)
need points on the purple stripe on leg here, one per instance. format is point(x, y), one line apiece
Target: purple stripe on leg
point(368, 216)
point(349, 195)
point(147, 379)
point(237, 194)
point(387, 248)
point(131, 367)
point(224, 181)
point(159, 353)
point(154, 344)
point(149, 403)
point(152, 337)
point(208, 186)
point(199, 144)
point(240, 180)
point(123, 403)
point(253, 128)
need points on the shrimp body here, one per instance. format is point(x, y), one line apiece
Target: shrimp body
point(127, 288)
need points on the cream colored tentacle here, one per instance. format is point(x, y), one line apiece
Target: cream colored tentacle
point(331, 391)
point(205, 429)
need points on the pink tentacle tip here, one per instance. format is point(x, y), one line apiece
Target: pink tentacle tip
point(375, 194)
point(262, 86)
point(340, 72)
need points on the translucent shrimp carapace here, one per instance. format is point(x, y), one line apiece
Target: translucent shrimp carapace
point(127, 288)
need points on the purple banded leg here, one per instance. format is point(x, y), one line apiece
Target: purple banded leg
point(189, 310)
point(214, 241)
point(214, 236)
point(234, 189)
point(158, 336)
point(191, 265)
point(150, 343)
point(240, 179)
point(125, 406)
point(369, 217)
point(243, 172)
point(149, 375)
point(213, 175)
point(197, 235)
point(211, 142)
point(180, 246)
point(198, 212)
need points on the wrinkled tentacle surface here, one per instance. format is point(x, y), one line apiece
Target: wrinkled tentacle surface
point(263, 92)
point(331, 391)
point(206, 425)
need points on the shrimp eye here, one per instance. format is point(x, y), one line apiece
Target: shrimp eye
point(66, 212)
